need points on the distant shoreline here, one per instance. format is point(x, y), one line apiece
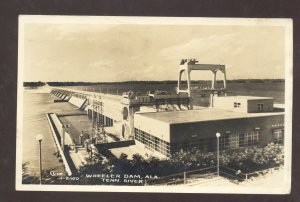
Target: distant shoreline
point(81, 83)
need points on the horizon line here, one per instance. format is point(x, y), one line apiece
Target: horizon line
point(148, 80)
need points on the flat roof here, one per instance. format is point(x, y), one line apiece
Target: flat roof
point(246, 97)
point(200, 115)
point(77, 123)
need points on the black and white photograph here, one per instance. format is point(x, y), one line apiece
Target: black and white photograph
point(154, 104)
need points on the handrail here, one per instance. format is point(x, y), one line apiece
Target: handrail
point(183, 174)
point(67, 167)
point(255, 172)
point(200, 169)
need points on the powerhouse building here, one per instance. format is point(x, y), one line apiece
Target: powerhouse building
point(242, 121)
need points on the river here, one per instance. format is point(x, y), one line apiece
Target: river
point(36, 105)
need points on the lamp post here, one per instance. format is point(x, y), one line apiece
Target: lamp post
point(39, 138)
point(218, 153)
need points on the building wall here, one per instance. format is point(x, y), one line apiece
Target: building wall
point(154, 127)
point(233, 104)
point(178, 136)
point(242, 104)
point(253, 105)
point(187, 132)
point(106, 121)
point(77, 101)
point(152, 143)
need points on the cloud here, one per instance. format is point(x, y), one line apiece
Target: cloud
point(197, 47)
point(137, 52)
point(246, 54)
point(100, 64)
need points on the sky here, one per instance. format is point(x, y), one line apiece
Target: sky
point(125, 52)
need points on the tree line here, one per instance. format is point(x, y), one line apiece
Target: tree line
point(244, 159)
point(82, 83)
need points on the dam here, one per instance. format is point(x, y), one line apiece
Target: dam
point(158, 123)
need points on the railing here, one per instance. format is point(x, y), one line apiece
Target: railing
point(58, 125)
point(256, 173)
point(110, 145)
point(233, 175)
point(240, 176)
point(167, 180)
point(57, 142)
point(205, 173)
point(184, 177)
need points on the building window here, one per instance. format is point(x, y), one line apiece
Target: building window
point(233, 141)
point(211, 144)
point(241, 140)
point(249, 139)
point(196, 142)
point(151, 142)
point(224, 142)
point(278, 136)
point(237, 104)
point(255, 138)
point(260, 107)
point(229, 141)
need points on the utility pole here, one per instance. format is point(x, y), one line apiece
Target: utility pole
point(39, 138)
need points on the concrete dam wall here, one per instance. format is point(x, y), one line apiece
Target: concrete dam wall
point(79, 102)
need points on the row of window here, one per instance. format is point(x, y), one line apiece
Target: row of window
point(100, 118)
point(151, 142)
point(227, 141)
